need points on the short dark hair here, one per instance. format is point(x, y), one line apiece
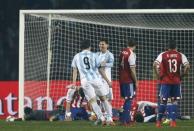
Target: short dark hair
point(27, 110)
point(85, 44)
point(81, 92)
point(105, 40)
point(139, 117)
point(171, 44)
point(131, 42)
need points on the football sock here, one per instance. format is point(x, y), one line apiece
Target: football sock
point(161, 111)
point(126, 107)
point(97, 111)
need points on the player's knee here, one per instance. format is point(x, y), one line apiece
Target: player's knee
point(103, 98)
point(92, 100)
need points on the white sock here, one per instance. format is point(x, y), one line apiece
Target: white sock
point(97, 110)
point(108, 108)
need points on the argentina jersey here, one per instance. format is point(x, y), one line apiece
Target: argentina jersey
point(87, 64)
point(109, 59)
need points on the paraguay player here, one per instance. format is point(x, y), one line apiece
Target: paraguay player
point(127, 78)
point(168, 69)
point(87, 64)
point(106, 59)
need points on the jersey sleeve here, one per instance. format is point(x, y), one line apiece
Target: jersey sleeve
point(73, 64)
point(110, 61)
point(159, 58)
point(184, 60)
point(132, 59)
point(97, 60)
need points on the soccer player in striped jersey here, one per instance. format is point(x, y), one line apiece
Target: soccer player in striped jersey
point(127, 78)
point(87, 63)
point(106, 59)
point(168, 70)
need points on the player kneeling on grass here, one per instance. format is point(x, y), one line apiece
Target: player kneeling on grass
point(76, 104)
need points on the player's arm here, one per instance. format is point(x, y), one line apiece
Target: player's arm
point(156, 69)
point(74, 72)
point(156, 65)
point(110, 61)
point(186, 69)
point(74, 75)
point(101, 70)
point(186, 65)
point(103, 74)
point(132, 63)
point(133, 74)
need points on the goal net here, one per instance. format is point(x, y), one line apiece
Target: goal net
point(50, 39)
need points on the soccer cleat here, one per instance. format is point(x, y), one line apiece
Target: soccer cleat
point(166, 122)
point(103, 123)
point(92, 118)
point(158, 124)
point(98, 122)
point(68, 118)
point(173, 124)
point(124, 124)
point(132, 123)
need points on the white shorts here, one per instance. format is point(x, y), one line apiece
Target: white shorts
point(109, 96)
point(93, 88)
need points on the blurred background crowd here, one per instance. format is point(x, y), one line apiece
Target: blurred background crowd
point(9, 21)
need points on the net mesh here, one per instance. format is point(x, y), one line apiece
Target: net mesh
point(67, 30)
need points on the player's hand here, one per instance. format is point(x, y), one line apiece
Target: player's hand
point(103, 64)
point(135, 85)
point(110, 84)
point(71, 86)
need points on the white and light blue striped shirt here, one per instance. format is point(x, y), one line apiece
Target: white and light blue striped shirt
point(109, 59)
point(87, 63)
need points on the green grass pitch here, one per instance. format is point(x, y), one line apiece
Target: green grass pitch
point(187, 125)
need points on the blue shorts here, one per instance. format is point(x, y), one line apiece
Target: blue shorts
point(170, 91)
point(127, 90)
point(79, 114)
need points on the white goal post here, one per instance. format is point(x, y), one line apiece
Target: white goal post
point(48, 40)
